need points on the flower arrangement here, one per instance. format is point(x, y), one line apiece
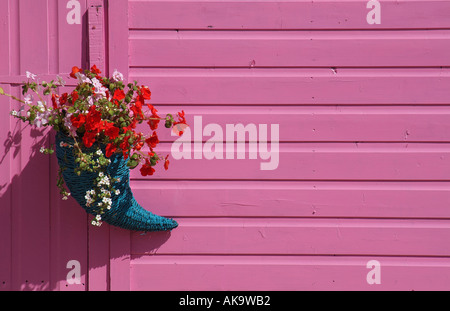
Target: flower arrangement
point(99, 116)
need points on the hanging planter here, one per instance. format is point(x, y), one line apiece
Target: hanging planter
point(97, 143)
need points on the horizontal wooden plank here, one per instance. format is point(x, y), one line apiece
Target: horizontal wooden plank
point(199, 14)
point(289, 49)
point(303, 161)
point(321, 123)
point(291, 86)
point(252, 236)
point(222, 273)
point(294, 199)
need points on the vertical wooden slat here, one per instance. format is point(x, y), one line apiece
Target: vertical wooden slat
point(72, 38)
point(98, 237)
point(14, 38)
point(69, 237)
point(118, 59)
point(4, 34)
point(34, 48)
point(30, 193)
point(5, 148)
point(53, 26)
point(96, 30)
point(5, 192)
point(118, 37)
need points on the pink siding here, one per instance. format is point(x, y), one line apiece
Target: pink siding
point(363, 113)
point(363, 166)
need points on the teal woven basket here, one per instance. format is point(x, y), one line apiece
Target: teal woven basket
point(125, 212)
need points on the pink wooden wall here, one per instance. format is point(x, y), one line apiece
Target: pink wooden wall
point(364, 158)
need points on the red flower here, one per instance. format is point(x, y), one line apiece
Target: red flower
point(147, 169)
point(110, 149)
point(112, 132)
point(181, 120)
point(125, 145)
point(74, 96)
point(139, 145)
point(119, 95)
point(78, 121)
point(152, 141)
point(166, 163)
point(95, 70)
point(137, 111)
point(139, 101)
point(89, 139)
point(93, 119)
point(55, 105)
point(63, 99)
point(75, 70)
point(146, 92)
point(153, 123)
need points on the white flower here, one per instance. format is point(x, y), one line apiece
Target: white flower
point(41, 105)
point(28, 99)
point(99, 89)
point(107, 201)
point(98, 217)
point(90, 101)
point(96, 223)
point(101, 173)
point(82, 78)
point(14, 113)
point(117, 192)
point(117, 76)
point(68, 124)
point(30, 75)
point(104, 181)
point(99, 153)
point(42, 150)
point(42, 114)
point(61, 81)
point(104, 191)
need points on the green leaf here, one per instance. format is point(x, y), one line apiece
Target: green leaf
point(2, 92)
point(132, 164)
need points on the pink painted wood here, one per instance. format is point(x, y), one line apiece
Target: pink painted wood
point(40, 233)
point(363, 168)
point(363, 152)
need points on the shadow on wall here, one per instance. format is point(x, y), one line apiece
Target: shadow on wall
point(41, 233)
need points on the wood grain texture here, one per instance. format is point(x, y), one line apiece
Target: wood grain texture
point(296, 86)
point(285, 15)
point(308, 273)
point(319, 123)
point(346, 199)
point(254, 49)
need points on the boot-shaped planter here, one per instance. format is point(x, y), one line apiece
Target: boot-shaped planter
point(124, 212)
